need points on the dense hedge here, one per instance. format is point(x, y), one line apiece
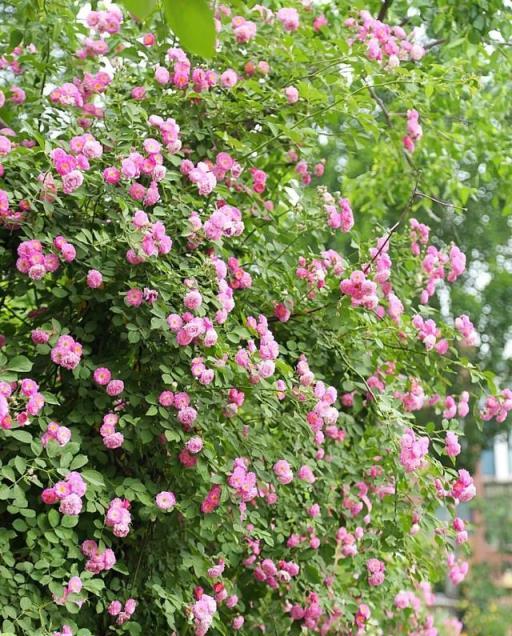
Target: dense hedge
point(209, 376)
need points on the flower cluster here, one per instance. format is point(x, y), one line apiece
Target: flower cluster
point(348, 540)
point(56, 432)
point(118, 517)
point(419, 235)
point(67, 352)
point(134, 297)
point(12, 219)
point(451, 446)
point(71, 166)
point(68, 492)
point(376, 570)
point(414, 398)
point(413, 450)
point(362, 616)
point(134, 167)
point(97, 561)
point(236, 400)
point(111, 438)
point(108, 21)
point(238, 277)
point(225, 294)
point(452, 409)
point(122, 613)
point(302, 167)
point(243, 30)
point(430, 334)
point(170, 132)
point(323, 417)
point(434, 264)
point(202, 175)
point(268, 351)
point(74, 586)
point(34, 262)
point(192, 330)
point(212, 500)
point(187, 415)
point(203, 612)
point(497, 406)
point(289, 18)
point(467, 331)
point(201, 372)
point(463, 489)
point(183, 73)
point(457, 569)
point(225, 221)
point(460, 528)
point(103, 377)
point(272, 574)
point(26, 393)
point(362, 291)
point(154, 242)
point(384, 43)
point(283, 472)
point(310, 614)
point(316, 272)
point(259, 180)
point(340, 215)
point(414, 131)
point(243, 481)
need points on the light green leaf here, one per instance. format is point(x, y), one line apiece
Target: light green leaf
point(94, 478)
point(21, 436)
point(140, 8)
point(192, 21)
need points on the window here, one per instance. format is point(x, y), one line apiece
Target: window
point(487, 462)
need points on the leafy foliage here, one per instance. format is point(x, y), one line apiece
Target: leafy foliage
point(173, 397)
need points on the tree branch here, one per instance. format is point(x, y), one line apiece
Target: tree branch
point(384, 9)
point(395, 227)
point(435, 43)
point(387, 116)
point(380, 104)
point(446, 204)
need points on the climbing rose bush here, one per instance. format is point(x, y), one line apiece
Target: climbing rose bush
point(223, 407)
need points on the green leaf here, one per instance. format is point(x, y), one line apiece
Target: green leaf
point(19, 525)
point(140, 8)
point(121, 568)
point(69, 521)
point(312, 574)
point(15, 38)
point(21, 436)
point(53, 518)
point(78, 462)
point(20, 364)
point(26, 603)
point(20, 464)
point(94, 478)
point(192, 21)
